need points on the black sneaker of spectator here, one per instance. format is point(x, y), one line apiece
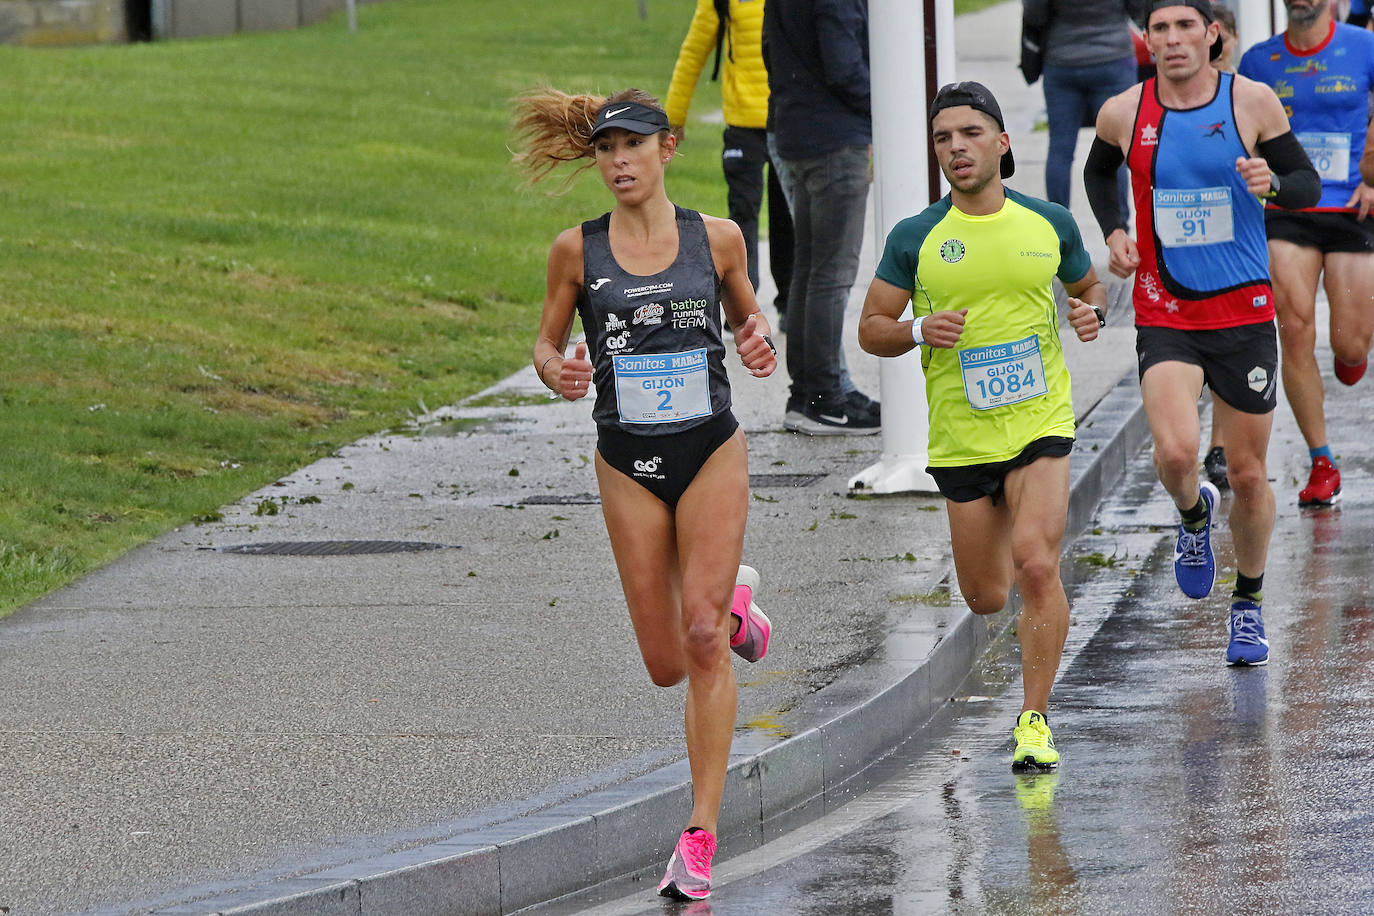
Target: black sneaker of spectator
point(836, 416)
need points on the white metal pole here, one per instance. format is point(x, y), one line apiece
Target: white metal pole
point(352, 6)
point(1256, 20)
point(909, 58)
point(161, 15)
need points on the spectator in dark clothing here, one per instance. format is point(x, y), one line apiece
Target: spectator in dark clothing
point(1089, 57)
point(817, 57)
point(1359, 14)
point(734, 28)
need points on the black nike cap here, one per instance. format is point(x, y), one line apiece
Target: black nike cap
point(977, 96)
point(636, 117)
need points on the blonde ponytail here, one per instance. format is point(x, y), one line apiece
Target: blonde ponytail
point(553, 127)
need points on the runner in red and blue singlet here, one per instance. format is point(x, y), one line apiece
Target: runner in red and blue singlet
point(1202, 146)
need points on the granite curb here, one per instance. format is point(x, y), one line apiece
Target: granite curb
point(772, 785)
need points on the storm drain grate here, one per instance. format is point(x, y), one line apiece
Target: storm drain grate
point(562, 499)
point(762, 481)
point(331, 548)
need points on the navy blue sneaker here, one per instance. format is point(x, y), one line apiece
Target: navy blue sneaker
point(1215, 467)
point(1248, 645)
point(1194, 566)
point(835, 416)
point(862, 403)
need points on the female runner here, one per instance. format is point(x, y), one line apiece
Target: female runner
point(647, 280)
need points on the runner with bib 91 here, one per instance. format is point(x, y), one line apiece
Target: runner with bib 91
point(1203, 304)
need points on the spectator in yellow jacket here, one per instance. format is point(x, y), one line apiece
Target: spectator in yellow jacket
point(734, 30)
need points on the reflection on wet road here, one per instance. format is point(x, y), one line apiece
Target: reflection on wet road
point(1186, 786)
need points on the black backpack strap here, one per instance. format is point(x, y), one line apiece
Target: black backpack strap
point(722, 20)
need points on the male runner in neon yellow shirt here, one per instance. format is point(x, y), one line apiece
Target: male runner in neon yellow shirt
point(977, 267)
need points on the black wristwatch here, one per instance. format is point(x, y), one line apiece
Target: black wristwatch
point(1101, 316)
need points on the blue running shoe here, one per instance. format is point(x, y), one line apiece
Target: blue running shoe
point(1194, 567)
point(1248, 645)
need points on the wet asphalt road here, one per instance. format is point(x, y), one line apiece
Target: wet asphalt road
point(1186, 786)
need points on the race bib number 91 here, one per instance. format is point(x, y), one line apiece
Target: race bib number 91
point(1003, 374)
point(1193, 216)
point(662, 387)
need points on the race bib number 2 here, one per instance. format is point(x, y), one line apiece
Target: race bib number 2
point(1003, 373)
point(662, 387)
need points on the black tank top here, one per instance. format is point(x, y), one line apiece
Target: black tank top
point(654, 341)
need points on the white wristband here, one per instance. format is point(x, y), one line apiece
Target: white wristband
point(916, 330)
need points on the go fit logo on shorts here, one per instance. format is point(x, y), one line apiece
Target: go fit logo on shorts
point(648, 467)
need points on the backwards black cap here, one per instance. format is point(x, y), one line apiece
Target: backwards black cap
point(1204, 8)
point(636, 117)
point(977, 96)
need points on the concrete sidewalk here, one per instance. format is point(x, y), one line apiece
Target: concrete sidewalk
point(463, 724)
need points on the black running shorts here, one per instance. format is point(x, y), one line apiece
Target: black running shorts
point(1240, 365)
point(665, 465)
point(1325, 231)
point(974, 481)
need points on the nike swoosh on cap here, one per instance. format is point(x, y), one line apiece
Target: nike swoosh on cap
point(611, 114)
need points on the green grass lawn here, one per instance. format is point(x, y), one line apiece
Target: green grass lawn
point(972, 6)
point(223, 259)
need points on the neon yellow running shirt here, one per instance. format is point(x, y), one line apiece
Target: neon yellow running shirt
point(1004, 384)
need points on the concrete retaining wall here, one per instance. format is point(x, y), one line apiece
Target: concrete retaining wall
point(197, 18)
point(61, 22)
point(74, 22)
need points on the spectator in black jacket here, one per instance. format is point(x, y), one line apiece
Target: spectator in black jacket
point(1089, 57)
point(817, 57)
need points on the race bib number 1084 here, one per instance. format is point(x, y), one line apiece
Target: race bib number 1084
point(1002, 374)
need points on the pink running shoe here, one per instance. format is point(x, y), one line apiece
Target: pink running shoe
point(689, 870)
point(751, 642)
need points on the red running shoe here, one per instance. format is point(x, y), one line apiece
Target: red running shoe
point(1349, 374)
point(1323, 486)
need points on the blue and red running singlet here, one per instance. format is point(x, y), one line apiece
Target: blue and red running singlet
point(1204, 263)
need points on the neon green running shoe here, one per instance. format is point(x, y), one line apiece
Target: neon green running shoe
point(1034, 743)
point(1035, 791)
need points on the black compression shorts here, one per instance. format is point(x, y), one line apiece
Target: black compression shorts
point(974, 481)
point(665, 465)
